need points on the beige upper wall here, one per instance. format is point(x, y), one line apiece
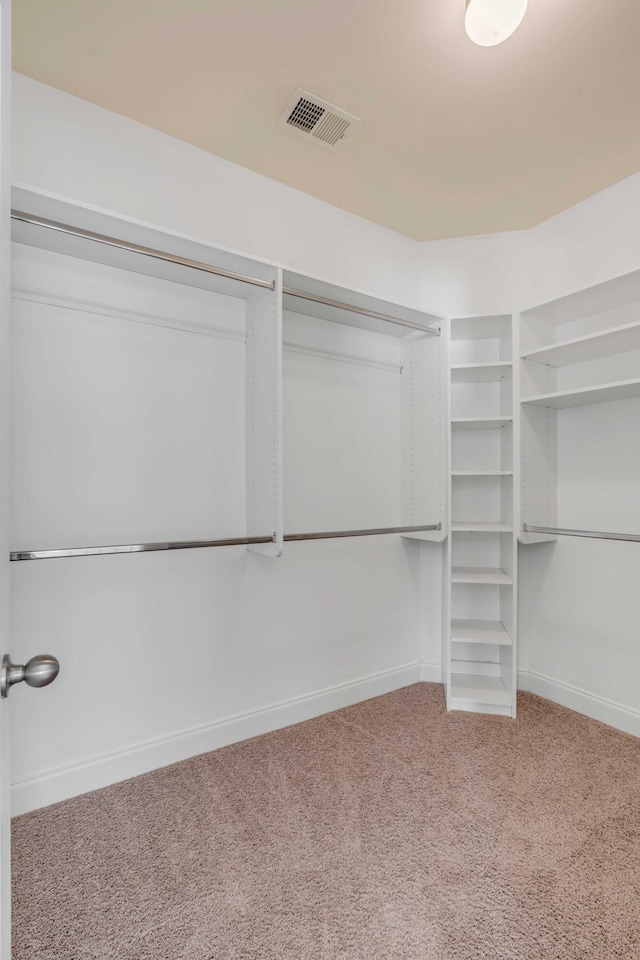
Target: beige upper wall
point(455, 139)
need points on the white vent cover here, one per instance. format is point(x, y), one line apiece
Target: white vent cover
point(314, 119)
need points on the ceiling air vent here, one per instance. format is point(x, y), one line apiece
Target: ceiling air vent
point(317, 120)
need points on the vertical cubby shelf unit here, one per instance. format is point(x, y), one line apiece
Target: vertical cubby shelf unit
point(580, 350)
point(479, 648)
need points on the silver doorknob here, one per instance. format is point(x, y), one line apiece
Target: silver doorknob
point(37, 672)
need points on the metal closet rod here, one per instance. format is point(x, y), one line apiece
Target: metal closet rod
point(197, 544)
point(208, 268)
point(360, 310)
point(595, 534)
point(136, 248)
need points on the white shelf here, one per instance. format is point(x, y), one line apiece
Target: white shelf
point(481, 528)
point(479, 631)
point(481, 328)
point(478, 689)
point(589, 301)
point(594, 346)
point(604, 393)
point(482, 473)
point(481, 423)
point(480, 372)
point(492, 575)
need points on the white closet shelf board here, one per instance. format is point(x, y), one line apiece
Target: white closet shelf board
point(461, 527)
point(470, 691)
point(480, 423)
point(480, 372)
point(594, 346)
point(436, 536)
point(330, 291)
point(491, 575)
point(589, 302)
point(130, 232)
point(481, 328)
point(482, 473)
point(479, 631)
point(603, 393)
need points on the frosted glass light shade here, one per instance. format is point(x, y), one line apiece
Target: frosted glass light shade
point(488, 22)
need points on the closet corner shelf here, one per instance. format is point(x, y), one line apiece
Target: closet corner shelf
point(470, 689)
point(593, 346)
point(480, 631)
point(493, 575)
point(479, 372)
point(482, 473)
point(603, 393)
point(481, 528)
point(481, 423)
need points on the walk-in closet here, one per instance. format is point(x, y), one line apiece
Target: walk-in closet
point(320, 497)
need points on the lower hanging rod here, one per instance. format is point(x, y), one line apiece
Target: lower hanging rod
point(198, 544)
point(595, 534)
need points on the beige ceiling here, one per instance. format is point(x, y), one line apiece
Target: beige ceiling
point(455, 139)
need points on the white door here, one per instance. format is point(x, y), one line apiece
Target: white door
point(5, 225)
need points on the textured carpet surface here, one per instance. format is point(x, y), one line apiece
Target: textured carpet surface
point(387, 830)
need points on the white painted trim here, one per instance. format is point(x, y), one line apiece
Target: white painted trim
point(590, 704)
point(431, 672)
point(101, 771)
point(71, 780)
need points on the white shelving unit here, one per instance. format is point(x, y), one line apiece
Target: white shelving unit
point(578, 350)
point(479, 646)
point(603, 393)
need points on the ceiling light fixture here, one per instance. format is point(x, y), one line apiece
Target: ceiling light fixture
point(488, 22)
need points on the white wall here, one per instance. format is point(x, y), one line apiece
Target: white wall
point(506, 272)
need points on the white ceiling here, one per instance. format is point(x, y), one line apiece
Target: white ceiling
point(455, 139)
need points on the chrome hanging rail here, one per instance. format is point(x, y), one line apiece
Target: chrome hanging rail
point(333, 535)
point(361, 310)
point(137, 248)
point(595, 534)
point(208, 268)
point(197, 544)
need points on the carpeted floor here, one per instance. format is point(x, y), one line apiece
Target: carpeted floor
point(387, 831)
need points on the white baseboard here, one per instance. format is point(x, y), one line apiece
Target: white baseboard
point(590, 704)
point(431, 672)
point(74, 779)
point(71, 780)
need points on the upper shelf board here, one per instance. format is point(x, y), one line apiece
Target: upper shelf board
point(481, 423)
point(481, 328)
point(490, 575)
point(102, 251)
point(594, 346)
point(330, 291)
point(581, 396)
point(480, 372)
point(589, 302)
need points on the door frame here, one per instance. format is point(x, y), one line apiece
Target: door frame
point(5, 397)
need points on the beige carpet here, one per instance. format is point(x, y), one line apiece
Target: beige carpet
point(386, 830)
